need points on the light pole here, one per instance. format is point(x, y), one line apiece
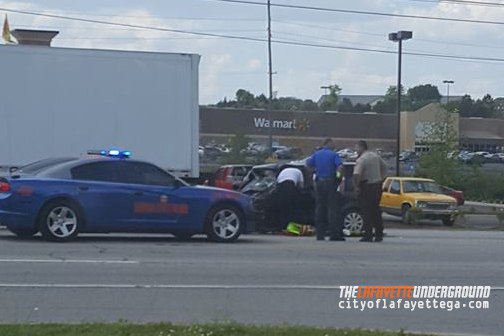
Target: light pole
point(270, 77)
point(448, 82)
point(399, 37)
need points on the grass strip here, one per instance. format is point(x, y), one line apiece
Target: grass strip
point(127, 329)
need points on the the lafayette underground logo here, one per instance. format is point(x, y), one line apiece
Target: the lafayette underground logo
point(414, 297)
point(302, 124)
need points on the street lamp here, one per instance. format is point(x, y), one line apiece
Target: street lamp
point(448, 82)
point(399, 37)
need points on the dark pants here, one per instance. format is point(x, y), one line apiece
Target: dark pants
point(369, 203)
point(288, 195)
point(326, 212)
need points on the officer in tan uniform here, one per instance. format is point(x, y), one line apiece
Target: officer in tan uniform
point(369, 172)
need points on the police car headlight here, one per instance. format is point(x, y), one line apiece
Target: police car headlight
point(420, 204)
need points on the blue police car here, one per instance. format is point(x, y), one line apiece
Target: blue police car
point(107, 193)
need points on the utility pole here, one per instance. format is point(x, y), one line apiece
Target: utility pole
point(270, 74)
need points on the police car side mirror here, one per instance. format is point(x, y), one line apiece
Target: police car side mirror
point(13, 169)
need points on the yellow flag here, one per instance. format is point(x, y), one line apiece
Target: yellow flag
point(6, 31)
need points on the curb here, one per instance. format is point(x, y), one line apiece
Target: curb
point(482, 208)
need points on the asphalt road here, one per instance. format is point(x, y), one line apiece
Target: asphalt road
point(260, 279)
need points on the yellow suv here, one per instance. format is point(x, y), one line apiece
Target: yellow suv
point(403, 196)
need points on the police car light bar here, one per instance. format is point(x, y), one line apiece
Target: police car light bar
point(111, 153)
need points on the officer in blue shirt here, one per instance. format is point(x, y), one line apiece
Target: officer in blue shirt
point(326, 163)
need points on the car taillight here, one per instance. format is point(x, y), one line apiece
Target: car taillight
point(4, 187)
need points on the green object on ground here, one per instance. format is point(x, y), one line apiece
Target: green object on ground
point(294, 228)
point(126, 329)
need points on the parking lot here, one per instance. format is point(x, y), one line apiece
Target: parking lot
point(263, 279)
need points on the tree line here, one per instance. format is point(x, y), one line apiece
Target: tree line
point(412, 99)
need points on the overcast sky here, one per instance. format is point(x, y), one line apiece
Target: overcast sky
point(229, 64)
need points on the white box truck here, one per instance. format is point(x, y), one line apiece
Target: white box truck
point(59, 102)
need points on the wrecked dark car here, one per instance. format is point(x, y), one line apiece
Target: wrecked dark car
point(260, 185)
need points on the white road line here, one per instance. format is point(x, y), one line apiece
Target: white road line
point(160, 286)
point(175, 286)
point(71, 261)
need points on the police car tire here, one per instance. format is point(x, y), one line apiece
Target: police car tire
point(42, 221)
point(23, 233)
point(210, 228)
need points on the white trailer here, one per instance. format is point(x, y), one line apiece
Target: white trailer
point(63, 102)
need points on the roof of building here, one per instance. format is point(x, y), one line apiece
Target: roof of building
point(479, 134)
point(356, 99)
point(444, 99)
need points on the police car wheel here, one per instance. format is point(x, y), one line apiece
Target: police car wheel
point(23, 233)
point(353, 221)
point(224, 223)
point(60, 221)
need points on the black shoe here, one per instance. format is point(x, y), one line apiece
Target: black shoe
point(337, 239)
point(366, 240)
point(320, 238)
point(378, 239)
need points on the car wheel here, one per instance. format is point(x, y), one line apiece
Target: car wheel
point(405, 214)
point(60, 221)
point(353, 221)
point(23, 233)
point(448, 221)
point(224, 223)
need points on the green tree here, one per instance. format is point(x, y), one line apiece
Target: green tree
point(442, 139)
point(331, 101)
point(389, 103)
point(422, 95)
point(485, 107)
point(237, 144)
point(345, 105)
point(361, 108)
point(245, 99)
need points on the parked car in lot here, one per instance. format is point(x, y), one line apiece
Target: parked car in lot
point(107, 194)
point(492, 158)
point(287, 153)
point(260, 185)
point(229, 177)
point(472, 158)
point(212, 153)
point(383, 154)
point(457, 194)
point(408, 156)
point(402, 194)
point(346, 153)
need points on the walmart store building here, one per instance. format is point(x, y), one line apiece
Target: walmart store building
point(307, 130)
